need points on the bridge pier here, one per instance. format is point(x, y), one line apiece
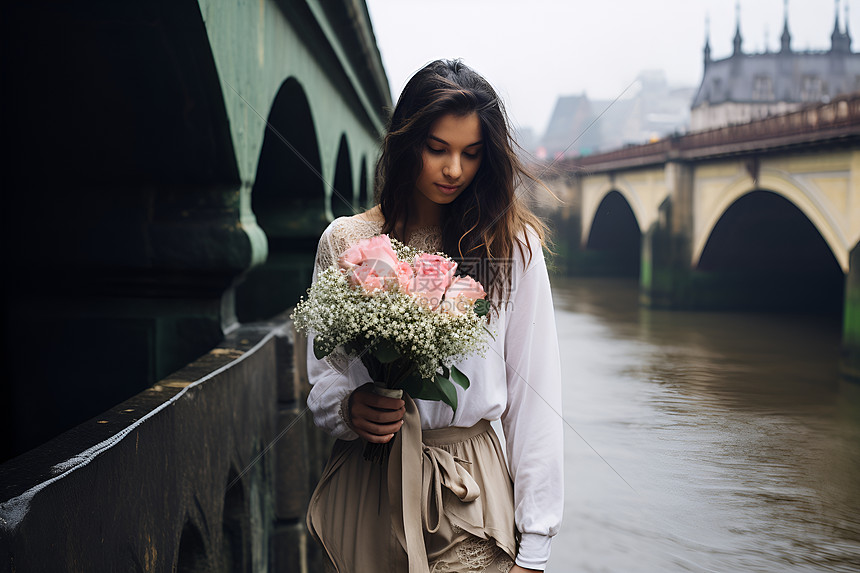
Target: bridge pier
point(665, 275)
point(851, 319)
point(566, 222)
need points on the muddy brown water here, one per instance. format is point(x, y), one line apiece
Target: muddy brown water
point(703, 441)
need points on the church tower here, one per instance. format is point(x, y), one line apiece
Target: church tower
point(707, 41)
point(738, 40)
point(742, 87)
point(839, 42)
point(785, 39)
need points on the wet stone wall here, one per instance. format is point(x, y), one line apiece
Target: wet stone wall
point(208, 470)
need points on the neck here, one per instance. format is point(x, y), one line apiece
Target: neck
point(424, 213)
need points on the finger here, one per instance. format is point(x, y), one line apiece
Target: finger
point(374, 429)
point(381, 402)
point(376, 415)
point(374, 439)
point(388, 403)
point(366, 395)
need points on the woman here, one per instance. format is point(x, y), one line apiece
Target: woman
point(446, 500)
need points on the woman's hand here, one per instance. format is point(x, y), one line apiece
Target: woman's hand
point(518, 569)
point(373, 417)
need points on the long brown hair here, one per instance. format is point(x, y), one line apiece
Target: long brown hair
point(490, 218)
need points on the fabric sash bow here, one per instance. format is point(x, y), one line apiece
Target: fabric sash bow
point(416, 475)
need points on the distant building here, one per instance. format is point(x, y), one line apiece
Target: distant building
point(744, 87)
point(580, 126)
point(567, 130)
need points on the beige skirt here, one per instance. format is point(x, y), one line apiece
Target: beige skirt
point(443, 501)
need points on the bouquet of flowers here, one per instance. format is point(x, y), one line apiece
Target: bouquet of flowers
point(403, 313)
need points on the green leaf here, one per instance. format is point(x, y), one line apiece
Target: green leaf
point(449, 393)
point(460, 378)
point(356, 345)
point(421, 389)
point(445, 371)
point(482, 307)
point(320, 351)
point(385, 352)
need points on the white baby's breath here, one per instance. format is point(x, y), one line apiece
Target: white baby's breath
point(340, 314)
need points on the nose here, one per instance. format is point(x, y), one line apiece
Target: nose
point(453, 169)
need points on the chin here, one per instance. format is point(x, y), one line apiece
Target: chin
point(442, 199)
point(445, 200)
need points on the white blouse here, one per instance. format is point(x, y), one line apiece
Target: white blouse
point(517, 381)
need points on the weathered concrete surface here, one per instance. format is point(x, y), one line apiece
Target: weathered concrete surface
point(146, 486)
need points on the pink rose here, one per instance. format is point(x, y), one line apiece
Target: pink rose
point(462, 294)
point(404, 275)
point(379, 253)
point(433, 275)
point(351, 258)
point(375, 252)
point(365, 276)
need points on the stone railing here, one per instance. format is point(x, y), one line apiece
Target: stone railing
point(210, 469)
point(833, 122)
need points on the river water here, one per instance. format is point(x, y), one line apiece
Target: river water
point(703, 441)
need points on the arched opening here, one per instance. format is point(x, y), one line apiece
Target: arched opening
point(191, 557)
point(235, 544)
point(342, 194)
point(288, 199)
point(288, 196)
point(363, 202)
point(765, 254)
point(614, 242)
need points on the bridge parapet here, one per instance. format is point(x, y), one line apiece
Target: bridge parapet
point(210, 469)
point(837, 122)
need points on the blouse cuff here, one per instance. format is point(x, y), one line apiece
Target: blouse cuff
point(342, 430)
point(534, 551)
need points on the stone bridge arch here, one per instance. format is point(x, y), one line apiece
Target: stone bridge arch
point(288, 199)
point(288, 195)
point(613, 245)
point(593, 198)
point(818, 208)
point(802, 167)
point(343, 188)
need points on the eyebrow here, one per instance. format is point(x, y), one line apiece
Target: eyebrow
point(443, 142)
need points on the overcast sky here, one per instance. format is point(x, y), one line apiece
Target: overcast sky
point(532, 51)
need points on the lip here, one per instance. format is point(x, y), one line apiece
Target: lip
point(447, 189)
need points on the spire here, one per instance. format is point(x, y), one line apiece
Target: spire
point(738, 38)
point(836, 32)
point(707, 39)
point(785, 43)
point(839, 42)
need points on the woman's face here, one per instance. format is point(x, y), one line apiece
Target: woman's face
point(452, 155)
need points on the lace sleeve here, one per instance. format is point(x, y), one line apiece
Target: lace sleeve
point(335, 240)
point(339, 236)
point(334, 378)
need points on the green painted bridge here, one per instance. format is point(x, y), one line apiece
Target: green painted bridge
point(169, 168)
point(763, 215)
